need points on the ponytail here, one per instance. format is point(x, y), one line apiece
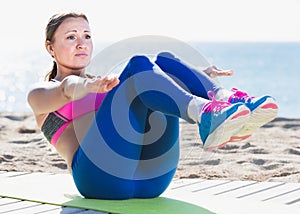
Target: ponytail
point(52, 73)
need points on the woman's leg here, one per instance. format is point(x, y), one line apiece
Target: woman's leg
point(159, 159)
point(190, 78)
point(137, 117)
point(263, 109)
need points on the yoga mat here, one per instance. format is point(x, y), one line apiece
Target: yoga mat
point(137, 206)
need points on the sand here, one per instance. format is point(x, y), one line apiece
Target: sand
point(272, 153)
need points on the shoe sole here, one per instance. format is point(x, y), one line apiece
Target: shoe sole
point(222, 134)
point(262, 115)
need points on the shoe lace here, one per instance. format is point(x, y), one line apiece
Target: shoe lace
point(240, 95)
point(214, 105)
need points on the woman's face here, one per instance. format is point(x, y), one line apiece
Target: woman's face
point(72, 46)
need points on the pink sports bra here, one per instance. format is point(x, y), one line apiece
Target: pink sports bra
point(57, 121)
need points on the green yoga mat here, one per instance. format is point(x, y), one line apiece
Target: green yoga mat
point(59, 190)
point(160, 205)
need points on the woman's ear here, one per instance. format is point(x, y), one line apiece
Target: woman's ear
point(49, 48)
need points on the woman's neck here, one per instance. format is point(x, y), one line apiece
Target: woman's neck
point(61, 75)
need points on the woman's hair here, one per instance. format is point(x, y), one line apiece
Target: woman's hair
point(53, 24)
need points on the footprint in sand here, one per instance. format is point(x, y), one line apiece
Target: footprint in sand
point(24, 130)
point(292, 151)
point(2, 127)
point(6, 158)
point(254, 150)
point(60, 165)
point(291, 126)
point(213, 162)
point(230, 147)
point(258, 161)
point(241, 162)
point(16, 118)
point(20, 141)
point(262, 163)
point(272, 166)
point(258, 151)
point(246, 146)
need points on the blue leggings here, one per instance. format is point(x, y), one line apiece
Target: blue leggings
point(131, 149)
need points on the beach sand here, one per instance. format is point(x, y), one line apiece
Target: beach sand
point(272, 153)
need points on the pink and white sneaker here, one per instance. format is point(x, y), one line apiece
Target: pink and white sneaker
point(263, 110)
point(219, 121)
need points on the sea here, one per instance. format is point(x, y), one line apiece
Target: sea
point(261, 68)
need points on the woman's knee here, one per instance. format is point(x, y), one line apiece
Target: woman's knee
point(137, 64)
point(167, 55)
point(140, 60)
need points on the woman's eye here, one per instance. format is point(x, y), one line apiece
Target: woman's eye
point(87, 36)
point(71, 37)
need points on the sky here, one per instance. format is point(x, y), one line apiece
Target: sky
point(23, 22)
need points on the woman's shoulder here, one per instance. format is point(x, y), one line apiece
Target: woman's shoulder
point(44, 85)
point(39, 88)
point(45, 97)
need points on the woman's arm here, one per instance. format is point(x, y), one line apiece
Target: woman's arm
point(51, 96)
point(47, 97)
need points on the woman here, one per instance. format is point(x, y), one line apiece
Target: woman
point(119, 136)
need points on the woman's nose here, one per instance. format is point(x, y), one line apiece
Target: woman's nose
point(81, 43)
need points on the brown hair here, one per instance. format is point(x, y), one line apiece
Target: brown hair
point(53, 24)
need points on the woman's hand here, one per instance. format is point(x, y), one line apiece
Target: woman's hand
point(101, 85)
point(214, 71)
point(76, 87)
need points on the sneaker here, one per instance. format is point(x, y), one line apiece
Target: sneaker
point(263, 110)
point(219, 121)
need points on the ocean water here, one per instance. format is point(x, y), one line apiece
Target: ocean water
point(260, 68)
